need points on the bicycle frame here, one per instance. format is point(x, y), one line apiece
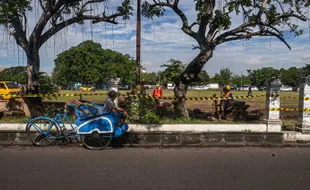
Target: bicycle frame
point(59, 121)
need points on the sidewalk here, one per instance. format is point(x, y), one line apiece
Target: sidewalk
point(176, 135)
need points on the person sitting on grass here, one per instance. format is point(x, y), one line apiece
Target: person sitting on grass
point(228, 97)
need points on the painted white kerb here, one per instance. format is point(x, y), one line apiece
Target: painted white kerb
point(173, 128)
point(198, 128)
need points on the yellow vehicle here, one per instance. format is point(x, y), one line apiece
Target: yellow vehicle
point(87, 89)
point(9, 90)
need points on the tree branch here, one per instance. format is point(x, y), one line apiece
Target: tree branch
point(205, 20)
point(185, 27)
point(184, 19)
point(279, 36)
point(281, 7)
point(238, 37)
point(300, 17)
point(60, 26)
point(91, 2)
point(25, 24)
point(193, 24)
point(19, 34)
point(176, 2)
point(262, 9)
point(42, 7)
point(249, 35)
point(241, 28)
point(60, 3)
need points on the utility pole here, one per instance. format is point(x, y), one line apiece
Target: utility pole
point(241, 78)
point(138, 42)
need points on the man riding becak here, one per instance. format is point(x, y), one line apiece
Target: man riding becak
point(108, 107)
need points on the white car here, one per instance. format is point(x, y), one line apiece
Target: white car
point(286, 88)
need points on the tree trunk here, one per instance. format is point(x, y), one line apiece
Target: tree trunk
point(180, 109)
point(187, 77)
point(35, 104)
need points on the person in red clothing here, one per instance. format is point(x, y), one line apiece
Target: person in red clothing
point(157, 94)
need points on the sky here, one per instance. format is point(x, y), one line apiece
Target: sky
point(162, 39)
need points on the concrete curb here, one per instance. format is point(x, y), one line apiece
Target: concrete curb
point(173, 135)
point(172, 139)
point(20, 127)
point(294, 136)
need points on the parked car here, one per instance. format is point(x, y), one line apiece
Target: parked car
point(124, 87)
point(286, 88)
point(170, 86)
point(87, 89)
point(254, 88)
point(8, 90)
point(233, 87)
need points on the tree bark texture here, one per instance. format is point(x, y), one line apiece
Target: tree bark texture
point(35, 104)
point(188, 76)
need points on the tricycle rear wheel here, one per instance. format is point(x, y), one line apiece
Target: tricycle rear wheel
point(96, 141)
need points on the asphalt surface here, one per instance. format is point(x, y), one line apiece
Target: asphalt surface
point(73, 167)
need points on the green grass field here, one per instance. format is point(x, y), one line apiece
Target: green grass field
point(202, 104)
point(289, 118)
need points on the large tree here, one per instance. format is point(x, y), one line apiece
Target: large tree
point(88, 63)
point(55, 16)
point(214, 27)
point(241, 80)
point(259, 77)
point(15, 74)
point(172, 70)
point(224, 77)
point(150, 78)
point(290, 77)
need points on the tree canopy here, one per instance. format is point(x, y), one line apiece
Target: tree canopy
point(15, 74)
point(55, 15)
point(214, 26)
point(88, 63)
point(259, 77)
point(151, 78)
point(172, 70)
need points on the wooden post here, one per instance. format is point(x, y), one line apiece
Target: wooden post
point(138, 42)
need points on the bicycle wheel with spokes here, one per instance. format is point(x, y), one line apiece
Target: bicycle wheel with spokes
point(42, 131)
point(96, 141)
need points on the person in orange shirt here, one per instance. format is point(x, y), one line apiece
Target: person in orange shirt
point(157, 94)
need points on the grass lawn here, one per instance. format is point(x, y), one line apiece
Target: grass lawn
point(289, 118)
point(202, 104)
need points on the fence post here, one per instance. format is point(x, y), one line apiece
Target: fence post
point(304, 105)
point(272, 114)
point(113, 84)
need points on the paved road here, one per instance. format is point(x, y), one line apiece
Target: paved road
point(73, 167)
